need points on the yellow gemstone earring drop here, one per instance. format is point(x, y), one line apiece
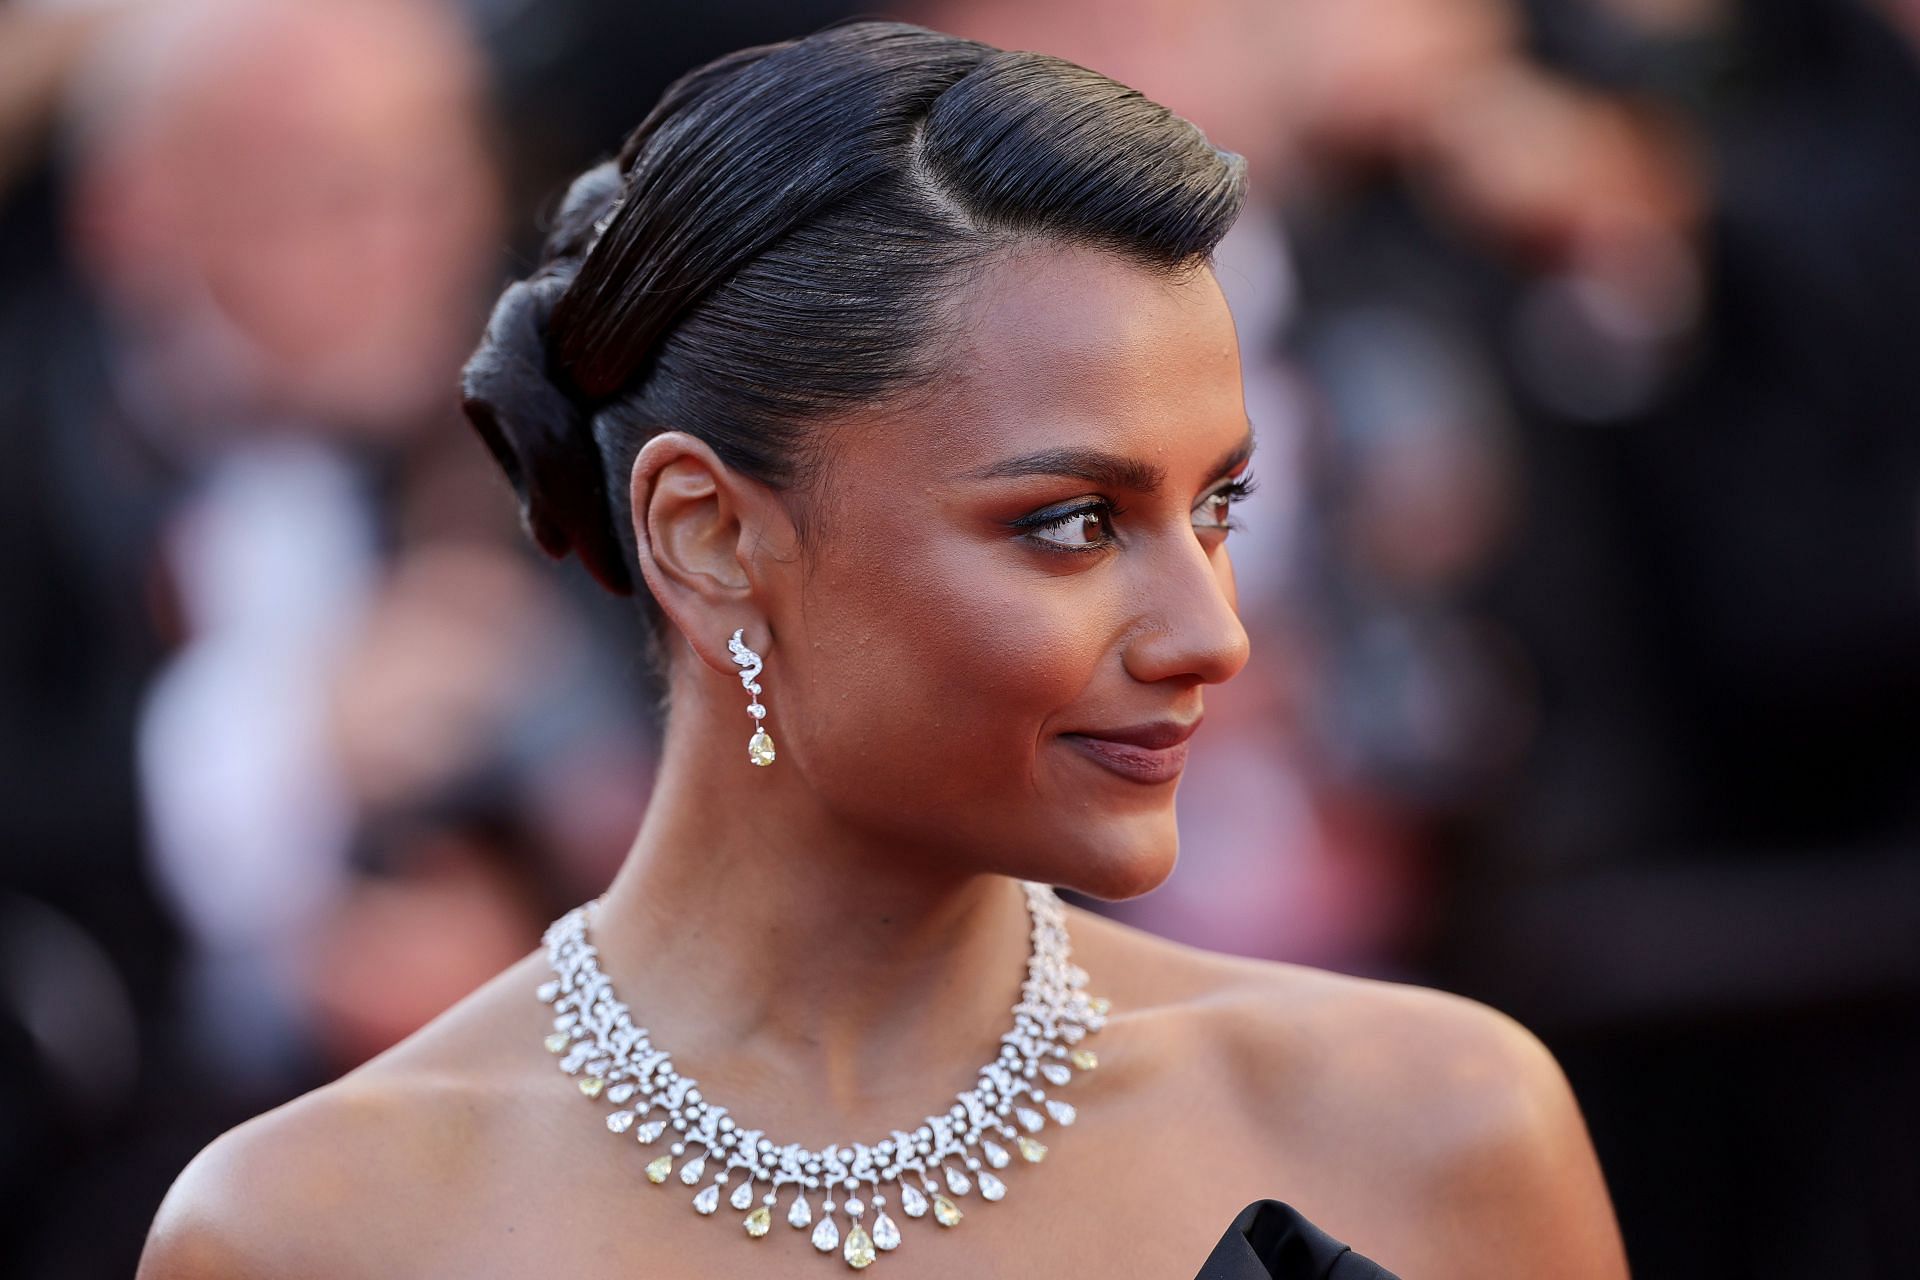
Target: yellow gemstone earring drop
point(759, 746)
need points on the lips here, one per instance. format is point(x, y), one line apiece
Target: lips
point(1149, 753)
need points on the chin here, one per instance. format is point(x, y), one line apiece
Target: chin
point(1134, 859)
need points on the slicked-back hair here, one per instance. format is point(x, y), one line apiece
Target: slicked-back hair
point(783, 236)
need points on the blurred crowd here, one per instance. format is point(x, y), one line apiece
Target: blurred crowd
point(1583, 569)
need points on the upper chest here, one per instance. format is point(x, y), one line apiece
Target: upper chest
point(1160, 1159)
point(1144, 1207)
point(1196, 1109)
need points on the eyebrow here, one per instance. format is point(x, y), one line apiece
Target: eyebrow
point(1109, 470)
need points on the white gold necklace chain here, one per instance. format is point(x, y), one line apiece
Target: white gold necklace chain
point(939, 1163)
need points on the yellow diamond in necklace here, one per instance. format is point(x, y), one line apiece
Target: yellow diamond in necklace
point(859, 1251)
point(597, 1040)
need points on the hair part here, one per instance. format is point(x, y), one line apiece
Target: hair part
point(784, 237)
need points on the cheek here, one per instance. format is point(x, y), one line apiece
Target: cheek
point(941, 667)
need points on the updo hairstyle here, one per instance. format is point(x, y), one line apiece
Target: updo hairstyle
point(781, 239)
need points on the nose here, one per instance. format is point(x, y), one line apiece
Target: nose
point(1189, 626)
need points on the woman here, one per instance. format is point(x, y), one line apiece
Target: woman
point(888, 372)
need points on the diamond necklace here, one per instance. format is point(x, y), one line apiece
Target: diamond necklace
point(935, 1165)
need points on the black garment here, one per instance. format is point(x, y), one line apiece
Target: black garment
point(1269, 1240)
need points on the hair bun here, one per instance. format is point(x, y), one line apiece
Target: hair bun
point(589, 204)
point(540, 435)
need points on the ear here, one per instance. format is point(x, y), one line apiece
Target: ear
point(708, 541)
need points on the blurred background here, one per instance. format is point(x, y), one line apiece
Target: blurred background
point(1583, 342)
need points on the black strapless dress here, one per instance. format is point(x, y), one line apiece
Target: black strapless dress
point(1271, 1241)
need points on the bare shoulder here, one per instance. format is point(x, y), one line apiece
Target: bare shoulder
point(342, 1181)
point(1445, 1108)
point(1454, 1109)
point(1383, 1044)
point(265, 1198)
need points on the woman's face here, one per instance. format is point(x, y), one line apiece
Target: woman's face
point(1036, 554)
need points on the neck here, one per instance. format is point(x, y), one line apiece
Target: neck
point(779, 955)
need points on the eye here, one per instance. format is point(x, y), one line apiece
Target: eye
point(1220, 502)
point(1088, 527)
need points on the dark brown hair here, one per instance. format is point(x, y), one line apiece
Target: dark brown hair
point(779, 238)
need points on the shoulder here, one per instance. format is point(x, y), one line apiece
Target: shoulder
point(1474, 1075)
point(1273, 1016)
point(1291, 1031)
point(1444, 1107)
point(1452, 1107)
point(339, 1181)
point(266, 1198)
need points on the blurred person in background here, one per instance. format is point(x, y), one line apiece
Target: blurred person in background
point(1706, 880)
point(1691, 221)
point(286, 211)
point(491, 778)
point(239, 518)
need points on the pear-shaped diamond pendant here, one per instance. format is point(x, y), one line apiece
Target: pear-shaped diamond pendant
point(859, 1250)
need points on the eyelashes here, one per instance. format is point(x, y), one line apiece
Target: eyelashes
point(1035, 526)
point(1106, 510)
point(1232, 493)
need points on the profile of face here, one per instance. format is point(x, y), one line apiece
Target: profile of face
point(1033, 551)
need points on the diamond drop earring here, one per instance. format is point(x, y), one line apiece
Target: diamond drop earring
point(759, 746)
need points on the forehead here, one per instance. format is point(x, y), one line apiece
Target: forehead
point(1073, 347)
